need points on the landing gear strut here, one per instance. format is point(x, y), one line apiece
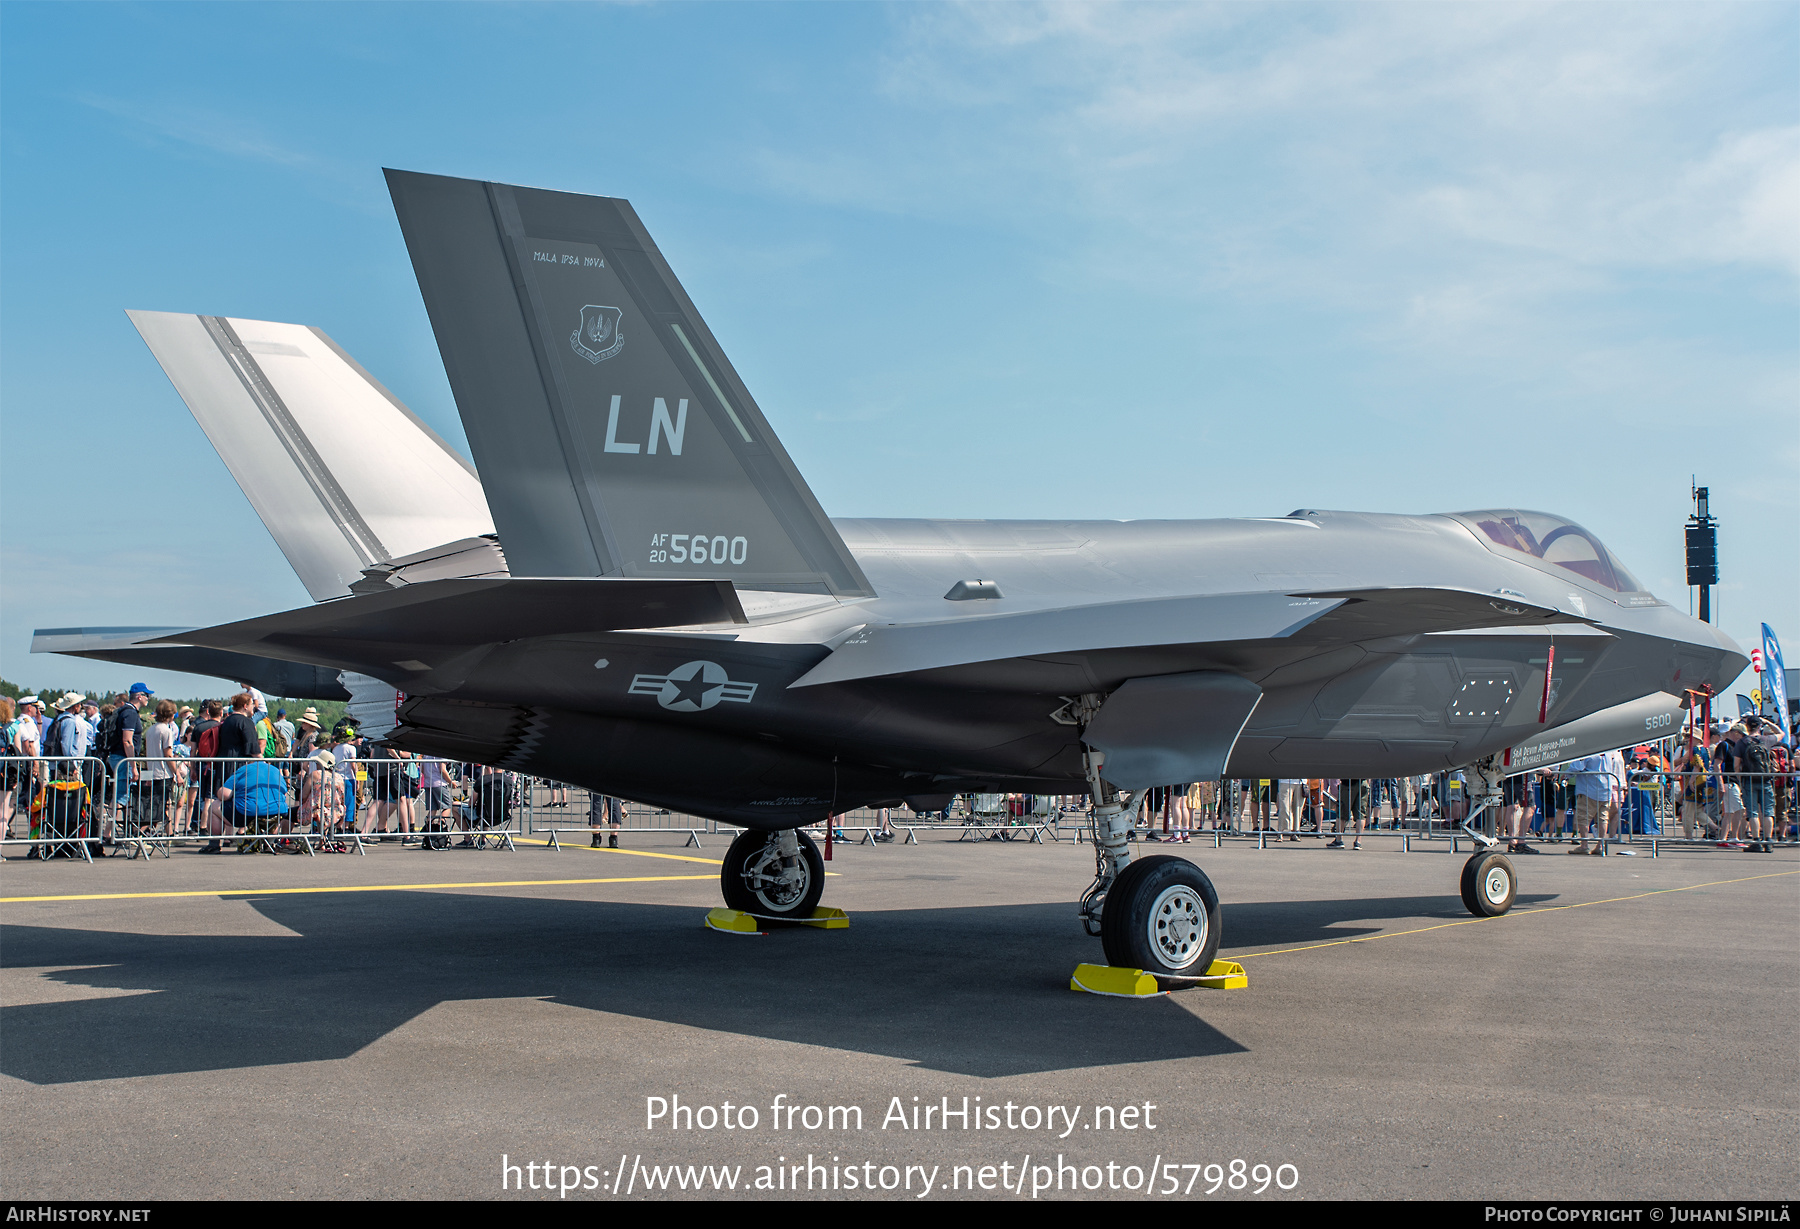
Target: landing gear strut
point(1157, 914)
point(1489, 882)
point(773, 875)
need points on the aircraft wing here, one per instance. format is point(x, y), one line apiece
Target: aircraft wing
point(417, 628)
point(149, 646)
point(1340, 615)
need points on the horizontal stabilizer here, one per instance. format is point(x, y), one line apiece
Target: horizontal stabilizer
point(144, 646)
point(614, 438)
point(344, 476)
point(417, 628)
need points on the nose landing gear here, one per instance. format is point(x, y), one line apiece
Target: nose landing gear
point(1489, 883)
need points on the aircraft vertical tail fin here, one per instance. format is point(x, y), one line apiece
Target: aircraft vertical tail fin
point(613, 436)
point(344, 476)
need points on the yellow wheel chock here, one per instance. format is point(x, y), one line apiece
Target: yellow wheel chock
point(731, 922)
point(736, 922)
point(1136, 984)
point(828, 919)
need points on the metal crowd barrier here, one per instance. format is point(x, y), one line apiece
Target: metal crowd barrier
point(42, 784)
point(142, 803)
point(126, 803)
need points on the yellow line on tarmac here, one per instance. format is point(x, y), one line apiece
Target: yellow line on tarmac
point(377, 887)
point(1613, 900)
point(636, 853)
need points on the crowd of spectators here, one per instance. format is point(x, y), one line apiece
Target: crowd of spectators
point(1734, 786)
point(139, 767)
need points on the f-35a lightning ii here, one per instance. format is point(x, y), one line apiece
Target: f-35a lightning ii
point(658, 607)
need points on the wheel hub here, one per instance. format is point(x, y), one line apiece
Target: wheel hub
point(777, 886)
point(1496, 884)
point(1177, 926)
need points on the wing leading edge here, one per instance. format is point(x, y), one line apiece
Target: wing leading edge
point(1350, 615)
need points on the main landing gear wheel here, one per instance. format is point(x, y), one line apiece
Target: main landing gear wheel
point(754, 880)
point(1489, 883)
point(1161, 915)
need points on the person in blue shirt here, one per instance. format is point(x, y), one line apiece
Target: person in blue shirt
point(255, 791)
point(1593, 800)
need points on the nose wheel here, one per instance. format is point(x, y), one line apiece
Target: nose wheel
point(1489, 884)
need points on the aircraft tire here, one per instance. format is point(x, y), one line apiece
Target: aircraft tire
point(752, 852)
point(1489, 883)
point(1162, 916)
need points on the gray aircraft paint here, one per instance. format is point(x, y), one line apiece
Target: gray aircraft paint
point(932, 656)
point(612, 458)
point(343, 474)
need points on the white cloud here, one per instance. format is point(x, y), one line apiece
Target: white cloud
point(196, 126)
point(1235, 141)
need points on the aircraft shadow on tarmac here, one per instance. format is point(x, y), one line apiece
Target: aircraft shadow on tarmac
point(977, 991)
point(1281, 923)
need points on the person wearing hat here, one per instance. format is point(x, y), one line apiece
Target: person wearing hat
point(1756, 781)
point(66, 734)
point(27, 729)
point(1728, 760)
point(69, 735)
point(346, 750)
point(21, 739)
point(127, 739)
point(306, 740)
point(321, 793)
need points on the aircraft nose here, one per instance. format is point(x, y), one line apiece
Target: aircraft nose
point(1726, 659)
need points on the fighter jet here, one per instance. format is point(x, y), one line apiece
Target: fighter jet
point(640, 594)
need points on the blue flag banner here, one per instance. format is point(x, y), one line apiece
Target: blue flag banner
point(1774, 683)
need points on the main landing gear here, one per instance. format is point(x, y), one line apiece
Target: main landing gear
point(1157, 914)
point(776, 876)
point(1489, 882)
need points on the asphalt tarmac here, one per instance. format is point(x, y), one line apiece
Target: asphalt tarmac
point(405, 1025)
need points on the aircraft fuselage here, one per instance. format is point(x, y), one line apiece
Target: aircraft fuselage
point(747, 723)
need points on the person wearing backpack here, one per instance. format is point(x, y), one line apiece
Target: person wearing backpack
point(1757, 768)
point(1784, 782)
point(203, 744)
point(65, 735)
point(68, 737)
point(124, 742)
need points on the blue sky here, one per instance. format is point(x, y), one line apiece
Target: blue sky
point(984, 261)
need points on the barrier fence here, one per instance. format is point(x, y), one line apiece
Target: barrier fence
point(76, 806)
point(80, 805)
